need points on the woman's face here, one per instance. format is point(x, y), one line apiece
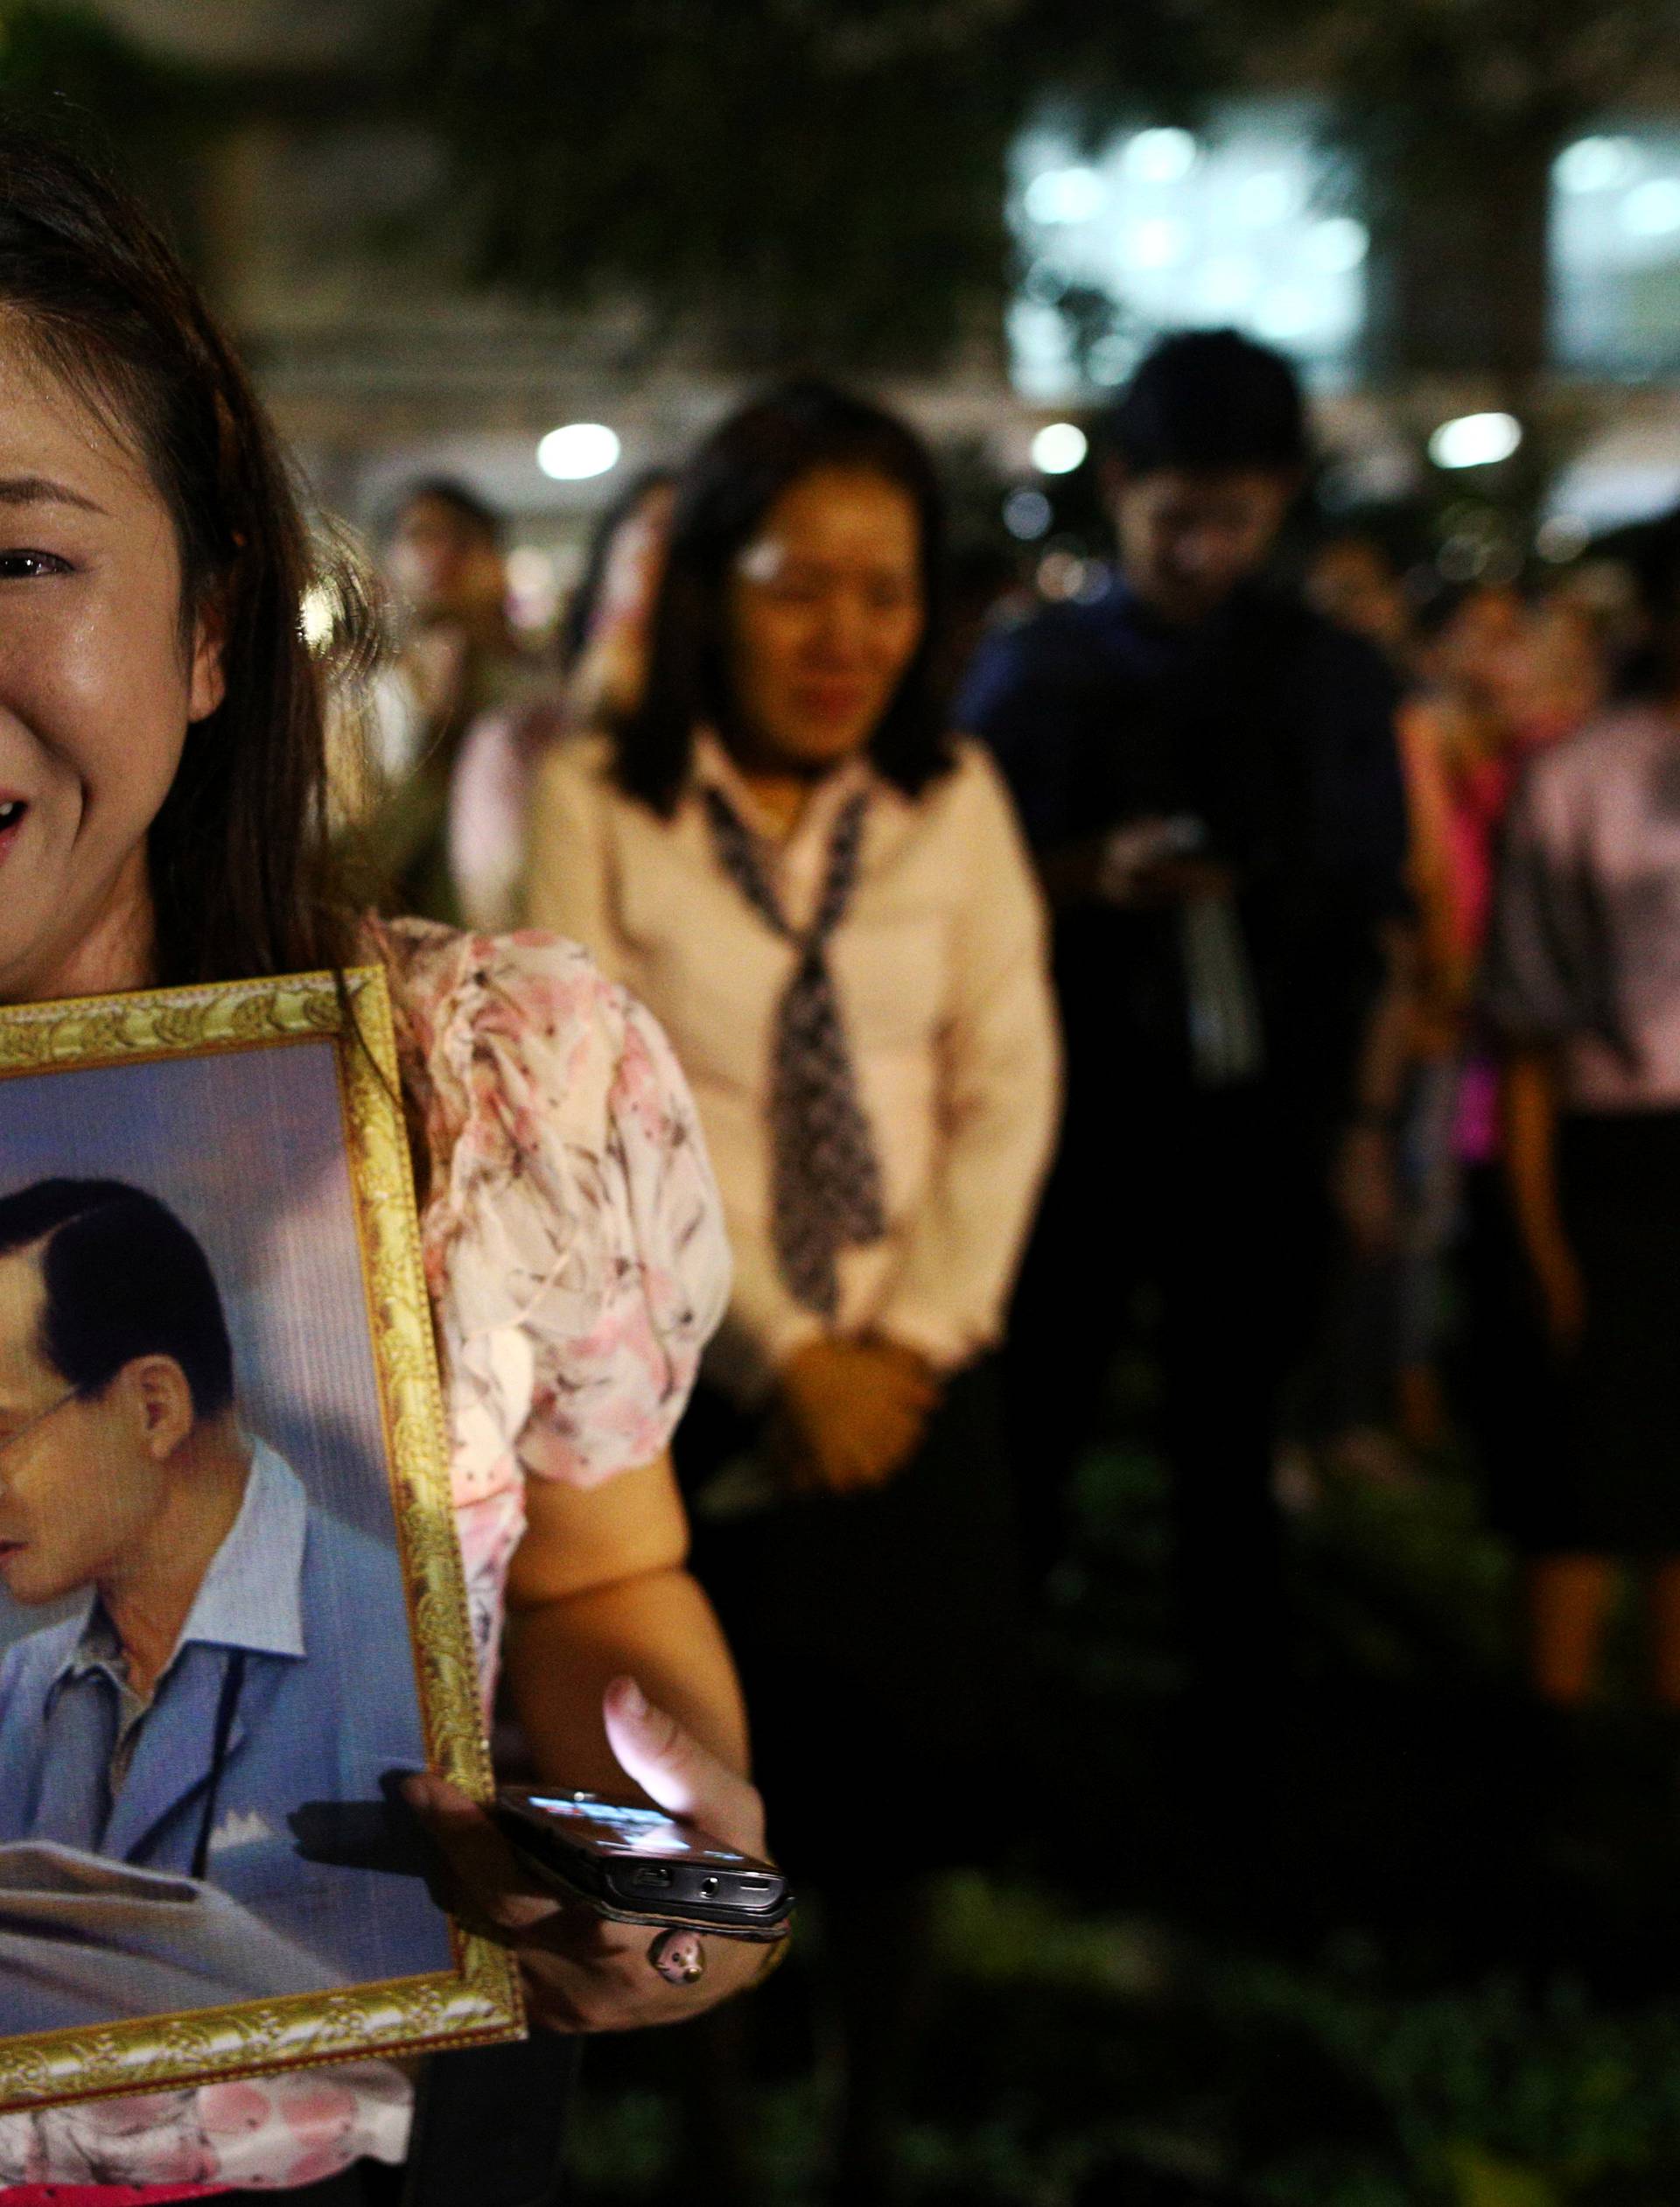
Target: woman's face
point(97, 686)
point(825, 611)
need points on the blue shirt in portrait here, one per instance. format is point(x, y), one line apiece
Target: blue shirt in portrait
point(291, 1689)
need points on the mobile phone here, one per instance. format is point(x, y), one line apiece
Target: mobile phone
point(637, 1866)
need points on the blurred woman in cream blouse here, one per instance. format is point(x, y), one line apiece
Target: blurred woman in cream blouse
point(825, 901)
point(938, 964)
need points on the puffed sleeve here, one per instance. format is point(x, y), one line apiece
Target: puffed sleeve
point(573, 1238)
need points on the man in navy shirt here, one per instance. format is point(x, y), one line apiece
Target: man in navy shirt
point(1208, 773)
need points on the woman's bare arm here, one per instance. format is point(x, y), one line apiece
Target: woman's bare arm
point(598, 1589)
point(1530, 1115)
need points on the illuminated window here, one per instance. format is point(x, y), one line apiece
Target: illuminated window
point(1616, 254)
point(1245, 224)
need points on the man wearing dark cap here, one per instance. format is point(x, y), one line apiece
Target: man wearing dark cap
point(1208, 772)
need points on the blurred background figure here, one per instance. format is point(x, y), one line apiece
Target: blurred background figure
point(1352, 580)
point(1461, 750)
point(1343, 1409)
point(984, 590)
point(1206, 771)
point(458, 657)
point(604, 639)
point(826, 900)
point(1564, 668)
point(601, 665)
point(1584, 986)
point(1499, 679)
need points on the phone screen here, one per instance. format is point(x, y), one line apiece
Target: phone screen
point(609, 1827)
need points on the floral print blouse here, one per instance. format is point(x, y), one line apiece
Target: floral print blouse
point(577, 1266)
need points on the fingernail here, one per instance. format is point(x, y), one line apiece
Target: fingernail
point(632, 1702)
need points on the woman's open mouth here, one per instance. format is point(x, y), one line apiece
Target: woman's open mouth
point(12, 811)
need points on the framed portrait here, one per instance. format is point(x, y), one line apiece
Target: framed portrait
point(232, 1614)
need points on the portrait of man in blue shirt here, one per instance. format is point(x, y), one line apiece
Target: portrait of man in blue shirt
point(234, 1654)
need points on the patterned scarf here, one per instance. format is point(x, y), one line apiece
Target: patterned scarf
point(826, 1180)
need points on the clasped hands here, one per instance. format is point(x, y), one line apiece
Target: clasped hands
point(849, 1414)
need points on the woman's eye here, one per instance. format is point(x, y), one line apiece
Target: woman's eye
point(29, 566)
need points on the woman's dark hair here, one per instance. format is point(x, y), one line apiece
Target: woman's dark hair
point(1653, 555)
point(123, 1278)
point(723, 497)
point(238, 851)
point(1650, 668)
point(585, 599)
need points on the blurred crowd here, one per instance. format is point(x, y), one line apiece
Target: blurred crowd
point(1269, 961)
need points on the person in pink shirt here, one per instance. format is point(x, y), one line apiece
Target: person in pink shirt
point(1584, 991)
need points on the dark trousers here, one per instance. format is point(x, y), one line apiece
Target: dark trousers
point(1215, 1212)
point(877, 1637)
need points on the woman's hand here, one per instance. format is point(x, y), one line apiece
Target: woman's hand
point(1528, 1094)
point(582, 1972)
point(851, 1413)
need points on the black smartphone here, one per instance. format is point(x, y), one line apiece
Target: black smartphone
point(637, 1866)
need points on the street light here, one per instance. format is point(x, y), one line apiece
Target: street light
point(1160, 157)
point(1065, 195)
point(1596, 164)
point(1058, 448)
point(1653, 209)
point(578, 450)
point(1475, 440)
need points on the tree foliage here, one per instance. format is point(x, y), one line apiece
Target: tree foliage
point(786, 176)
point(67, 69)
point(1470, 65)
point(803, 177)
point(1457, 109)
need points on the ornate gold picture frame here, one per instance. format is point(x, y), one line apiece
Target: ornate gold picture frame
point(326, 1644)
